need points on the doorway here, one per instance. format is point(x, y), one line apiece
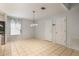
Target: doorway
point(60, 30)
point(2, 32)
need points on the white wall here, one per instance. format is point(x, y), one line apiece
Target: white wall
point(27, 31)
point(73, 28)
point(45, 26)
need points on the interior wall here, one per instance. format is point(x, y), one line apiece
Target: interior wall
point(44, 31)
point(26, 32)
point(72, 27)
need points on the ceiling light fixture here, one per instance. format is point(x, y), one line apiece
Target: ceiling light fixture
point(43, 8)
point(34, 24)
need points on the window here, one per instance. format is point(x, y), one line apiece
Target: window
point(15, 27)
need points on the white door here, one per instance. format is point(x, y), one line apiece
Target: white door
point(61, 30)
point(54, 31)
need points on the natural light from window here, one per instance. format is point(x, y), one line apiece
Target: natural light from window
point(15, 27)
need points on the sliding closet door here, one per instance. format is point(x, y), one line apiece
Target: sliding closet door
point(61, 30)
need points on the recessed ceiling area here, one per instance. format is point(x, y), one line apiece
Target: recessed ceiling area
point(25, 9)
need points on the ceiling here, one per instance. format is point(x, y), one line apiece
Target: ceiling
point(25, 9)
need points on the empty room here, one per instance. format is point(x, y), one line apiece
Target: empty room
point(39, 29)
